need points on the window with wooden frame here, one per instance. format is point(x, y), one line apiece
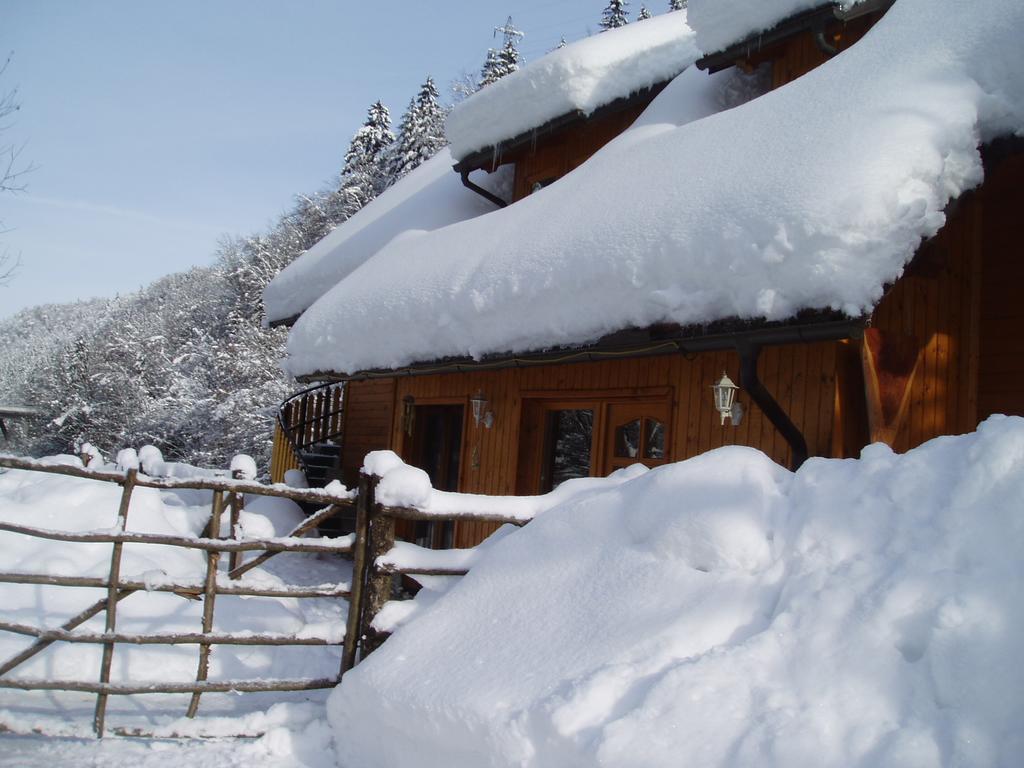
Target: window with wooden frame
point(590, 436)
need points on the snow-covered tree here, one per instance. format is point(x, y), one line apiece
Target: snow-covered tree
point(506, 59)
point(367, 154)
point(644, 13)
point(421, 133)
point(676, 5)
point(614, 15)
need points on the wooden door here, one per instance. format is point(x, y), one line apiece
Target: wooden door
point(635, 433)
point(436, 447)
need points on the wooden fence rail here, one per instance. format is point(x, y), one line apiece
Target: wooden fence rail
point(227, 495)
point(371, 586)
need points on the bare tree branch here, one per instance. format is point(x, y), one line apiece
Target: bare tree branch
point(11, 171)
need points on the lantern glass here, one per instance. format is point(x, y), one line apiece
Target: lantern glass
point(725, 395)
point(479, 404)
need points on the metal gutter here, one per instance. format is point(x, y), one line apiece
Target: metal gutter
point(776, 414)
point(464, 175)
point(645, 344)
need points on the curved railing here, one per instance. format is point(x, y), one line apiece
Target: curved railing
point(313, 416)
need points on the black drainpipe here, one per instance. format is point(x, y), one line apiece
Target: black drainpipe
point(823, 45)
point(481, 191)
point(749, 381)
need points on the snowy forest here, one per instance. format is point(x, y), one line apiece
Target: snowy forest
point(187, 363)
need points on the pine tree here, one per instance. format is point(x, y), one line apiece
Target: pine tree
point(506, 59)
point(367, 153)
point(614, 15)
point(421, 133)
point(676, 5)
point(644, 13)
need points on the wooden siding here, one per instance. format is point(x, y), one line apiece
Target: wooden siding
point(802, 378)
point(1001, 352)
point(797, 55)
point(369, 410)
point(935, 308)
point(557, 154)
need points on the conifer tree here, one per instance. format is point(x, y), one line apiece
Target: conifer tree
point(644, 13)
point(365, 173)
point(421, 133)
point(614, 15)
point(506, 59)
point(676, 5)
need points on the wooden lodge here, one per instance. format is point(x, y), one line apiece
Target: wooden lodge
point(943, 349)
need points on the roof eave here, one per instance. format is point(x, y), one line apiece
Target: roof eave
point(489, 158)
point(808, 327)
point(793, 25)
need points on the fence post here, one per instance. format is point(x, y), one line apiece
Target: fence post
point(237, 504)
point(100, 715)
point(209, 593)
point(378, 585)
point(354, 625)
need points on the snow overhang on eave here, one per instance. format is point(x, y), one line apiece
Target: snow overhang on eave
point(814, 19)
point(489, 158)
point(807, 327)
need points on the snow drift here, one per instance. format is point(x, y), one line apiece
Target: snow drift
point(725, 612)
point(812, 196)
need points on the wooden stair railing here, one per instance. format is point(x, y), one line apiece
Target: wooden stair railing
point(311, 418)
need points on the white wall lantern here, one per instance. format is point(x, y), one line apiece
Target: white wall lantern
point(725, 400)
point(480, 413)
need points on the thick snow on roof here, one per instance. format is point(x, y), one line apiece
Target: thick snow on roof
point(856, 613)
point(814, 195)
point(429, 197)
point(720, 23)
point(581, 76)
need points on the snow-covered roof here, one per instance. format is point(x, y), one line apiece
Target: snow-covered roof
point(429, 197)
point(721, 23)
point(581, 76)
point(811, 196)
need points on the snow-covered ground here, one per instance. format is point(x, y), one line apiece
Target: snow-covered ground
point(724, 611)
point(289, 725)
point(720, 611)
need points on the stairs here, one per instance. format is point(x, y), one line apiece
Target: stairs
point(323, 464)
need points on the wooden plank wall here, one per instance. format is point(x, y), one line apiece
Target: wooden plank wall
point(557, 154)
point(936, 306)
point(1001, 353)
point(802, 378)
point(800, 54)
point(369, 409)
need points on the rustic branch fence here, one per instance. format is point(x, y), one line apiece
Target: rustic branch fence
point(371, 586)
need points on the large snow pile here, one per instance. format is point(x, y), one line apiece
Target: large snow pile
point(725, 612)
point(581, 76)
point(429, 197)
point(812, 196)
point(720, 23)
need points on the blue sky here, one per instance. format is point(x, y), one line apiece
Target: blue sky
point(158, 127)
